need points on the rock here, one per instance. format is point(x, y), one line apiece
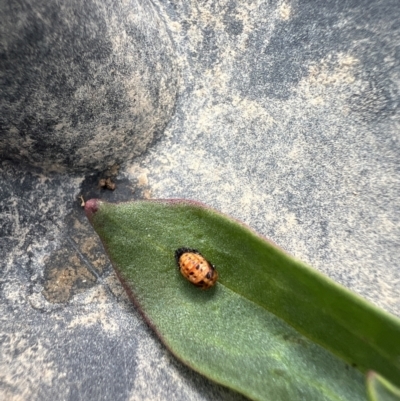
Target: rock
point(85, 85)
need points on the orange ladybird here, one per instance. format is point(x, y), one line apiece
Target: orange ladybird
point(194, 267)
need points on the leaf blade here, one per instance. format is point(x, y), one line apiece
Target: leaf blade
point(134, 231)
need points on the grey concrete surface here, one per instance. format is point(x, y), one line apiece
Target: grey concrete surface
point(287, 117)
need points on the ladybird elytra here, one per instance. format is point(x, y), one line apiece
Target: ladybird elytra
point(196, 268)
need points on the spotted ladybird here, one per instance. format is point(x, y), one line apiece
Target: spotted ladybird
point(195, 268)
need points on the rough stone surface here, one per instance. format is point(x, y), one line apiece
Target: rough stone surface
point(84, 85)
point(287, 118)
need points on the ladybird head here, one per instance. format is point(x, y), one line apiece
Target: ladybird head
point(180, 251)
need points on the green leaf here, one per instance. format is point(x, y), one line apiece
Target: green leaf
point(380, 389)
point(266, 327)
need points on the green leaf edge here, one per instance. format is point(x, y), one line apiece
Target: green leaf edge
point(372, 379)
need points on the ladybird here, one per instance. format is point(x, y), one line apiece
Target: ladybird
point(195, 268)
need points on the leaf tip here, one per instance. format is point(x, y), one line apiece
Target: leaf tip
point(91, 207)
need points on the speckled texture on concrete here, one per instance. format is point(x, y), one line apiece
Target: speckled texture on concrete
point(84, 85)
point(287, 118)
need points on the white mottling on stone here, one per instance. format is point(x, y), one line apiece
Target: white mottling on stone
point(284, 11)
point(24, 367)
point(95, 308)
